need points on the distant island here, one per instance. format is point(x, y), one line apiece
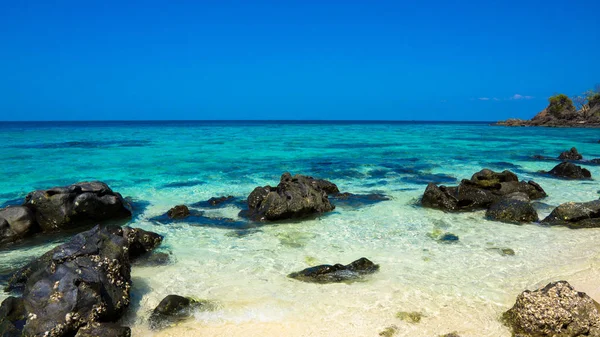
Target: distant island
point(562, 111)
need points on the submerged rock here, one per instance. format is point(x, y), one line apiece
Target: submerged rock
point(443, 237)
point(572, 154)
point(575, 215)
point(217, 201)
point(410, 317)
point(557, 310)
point(336, 273)
point(178, 212)
point(71, 206)
point(174, 308)
point(295, 197)
point(84, 281)
point(389, 331)
point(153, 259)
point(483, 189)
point(16, 222)
point(514, 208)
point(570, 171)
point(358, 200)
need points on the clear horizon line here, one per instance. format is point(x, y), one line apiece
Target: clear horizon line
point(245, 120)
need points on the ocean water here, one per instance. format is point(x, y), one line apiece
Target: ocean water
point(462, 287)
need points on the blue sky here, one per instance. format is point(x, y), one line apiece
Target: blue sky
point(391, 60)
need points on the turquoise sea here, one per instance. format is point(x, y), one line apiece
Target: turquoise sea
point(462, 287)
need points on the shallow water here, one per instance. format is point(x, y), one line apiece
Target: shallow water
point(461, 287)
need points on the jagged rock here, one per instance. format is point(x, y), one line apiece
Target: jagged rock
point(16, 222)
point(570, 171)
point(337, 272)
point(174, 308)
point(557, 310)
point(575, 215)
point(71, 206)
point(178, 212)
point(295, 197)
point(572, 154)
point(513, 208)
point(81, 282)
point(483, 189)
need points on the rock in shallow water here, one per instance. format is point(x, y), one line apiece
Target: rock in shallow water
point(570, 171)
point(575, 215)
point(557, 310)
point(295, 197)
point(483, 189)
point(178, 212)
point(67, 207)
point(336, 273)
point(81, 282)
point(514, 208)
point(572, 154)
point(174, 308)
point(16, 222)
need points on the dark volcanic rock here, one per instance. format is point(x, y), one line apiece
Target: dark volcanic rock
point(295, 197)
point(81, 282)
point(82, 203)
point(178, 212)
point(174, 308)
point(575, 215)
point(557, 310)
point(572, 154)
point(483, 189)
point(336, 273)
point(514, 208)
point(12, 317)
point(570, 171)
point(16, 222)
point(104, 330)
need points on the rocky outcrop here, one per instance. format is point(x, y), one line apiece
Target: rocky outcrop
point(174, 308)
point(295, 197)
point(178, 212)
point(569, 170)
point(575, 215)
point(513, 208)
point(67, 207)
point(337, 272)
point(557, 310)
point(561, 112)
point(572, 154)
point(484, 188)
point(82, 282)
point(16, 222)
